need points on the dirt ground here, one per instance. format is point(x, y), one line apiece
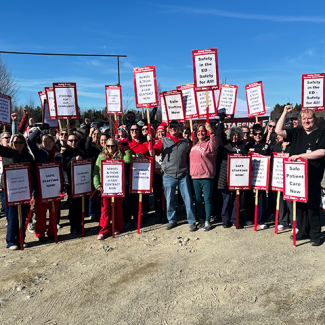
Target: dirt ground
point(224, 276)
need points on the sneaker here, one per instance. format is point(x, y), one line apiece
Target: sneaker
point(25, 245)
point(281, 227)
point(101, 237)
point(171, 225)
point(200, 223)
point(116, 232)
point(207, 226)
point(263, 226)
point(315, 242)
point(14, 247)
point(126, 225)
point(249, 223)
point(213, 219)
point(193, 227)
point(58, 226)
point(297, 230)
point(31, 227)
point(227, 224)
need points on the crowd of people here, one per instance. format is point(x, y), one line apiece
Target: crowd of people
point(193, 173)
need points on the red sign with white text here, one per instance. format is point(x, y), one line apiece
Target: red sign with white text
point(313, 90)
point(255, 99)
point(239, 172)
point(114, 104)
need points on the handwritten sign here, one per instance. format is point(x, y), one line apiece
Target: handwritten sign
point(201, 103)
point(65, 97)
point(145, 87)
point(49, 181)
point(114, 100)
point(141, 176)
point(17, 181)
point(227, 99)
point(82, 177)
point(54, 124)
point(205, 69)
point(260, 171)
point(295, 180)
point(49, 91)
point(189, 101)
point(174, 105)
point(313, 89)
point(255, 99)
point(5, 110)
point(112, 172)
point(277, 171)
point(164, 115)
point(239, 172)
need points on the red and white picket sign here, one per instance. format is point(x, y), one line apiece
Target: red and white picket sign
point(164, 114)
point(205, 69)
point(174, 105)
point(65, 98)
point(190, 104)
point(255, 99)
point(112, 172)
point(82, 177)
point(322, 199)
point(53, 124)
point(277, 171)
point(227, 99)
point(17, 184)
point(49, 178)
point(239, 172)
point(49, 91)
point(114, 104)
point(5, 110)
point(141, 176)
point(313, 90)
point(42, 96)
point(200, 97)
point(145, 87)
point(260, 171)
point(295, 180)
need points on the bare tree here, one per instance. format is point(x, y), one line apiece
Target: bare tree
point(8, 84)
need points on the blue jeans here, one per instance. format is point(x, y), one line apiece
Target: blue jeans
point(228, 212)
point(204, 185)
point(12, 237)
point(184, 186)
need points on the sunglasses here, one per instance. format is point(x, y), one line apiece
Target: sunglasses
point(18, 142)
point(134, 130)
point(64, 134)
point(120, 129)
point(73, 140)
point(146, 129)
point(6, 138)
point(258, 134)
point(271, 126)
point(110, 146)
point(246, 132)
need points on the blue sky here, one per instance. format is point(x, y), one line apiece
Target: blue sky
point(273, 41)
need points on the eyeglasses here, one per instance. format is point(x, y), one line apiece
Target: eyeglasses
point(120, 129)
point(110, 146)
point(134, 130)
point(271, 126)
point(74, 140)
point(18, 142)
point(257, 134)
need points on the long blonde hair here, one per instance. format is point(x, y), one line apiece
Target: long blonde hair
point(118, 153)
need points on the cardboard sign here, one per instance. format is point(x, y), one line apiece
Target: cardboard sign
point(114, 104)
point(112, 172)
point(164, 115)
point(17, 184)
point(295, 180)
point(322, 199)
point(174, 105)
point(205, 69)
point(49, 178)
point(239, 172)
point(145, 87)
point(5, 110)
point(54, 124)
point(255, 99)
point(190, 105)
point(82, 177)
point(200, 97)
point(42, 97)
point(313, 89)
point(66, 104)
point(141, 176)
point(277, 171)
point(227, 99)
point(51, 103)
point(260, 171)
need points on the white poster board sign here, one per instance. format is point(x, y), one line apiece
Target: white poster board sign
point(51, 103)
point(112, 178)
point(65, 98)
point(141, 176)
point(313, 88)
point(5, 110)
point(255, 99)
point(174, 105)
point(201, 104)
point(114, 99)
point(239, 172)
point(54, 124)
point(227, 99)
point(260, 171)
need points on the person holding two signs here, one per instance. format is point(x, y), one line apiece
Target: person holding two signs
point(15, 154)
point(111, 151)
point(307, 142)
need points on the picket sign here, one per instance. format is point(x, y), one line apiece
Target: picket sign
point(65, 98)
point(141, 175)
point(206, 103)
point(239, 176)
point(322, 200)
point(295, 185)
point(313, 90)
point(164, 114)
point(174, 105)
point(277, 181)
point(42, 97)
point(190, 104)
point(53, 124)
point(5, 110)
point(114, 103)
point(18, 190)
point(49, 92)
point(158, 160)
point(255, 99)
point(227, 99)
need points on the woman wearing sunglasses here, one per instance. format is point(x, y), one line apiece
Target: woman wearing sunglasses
point(121, 133)
point(269, 130)
point(111, 151)
point(15, 154)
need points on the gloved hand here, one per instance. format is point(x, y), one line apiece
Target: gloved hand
point(44, 126)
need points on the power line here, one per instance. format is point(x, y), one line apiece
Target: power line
point(66, 54)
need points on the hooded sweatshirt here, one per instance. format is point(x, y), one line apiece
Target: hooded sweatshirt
point(203, 158)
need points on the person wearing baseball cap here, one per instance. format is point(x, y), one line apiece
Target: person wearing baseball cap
point(175, 165)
